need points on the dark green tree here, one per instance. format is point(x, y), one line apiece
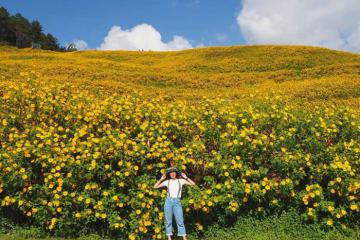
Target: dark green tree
point(37, 32)
point(6, 33)
point(22, 29)
point(50, 42)
point(18, 31)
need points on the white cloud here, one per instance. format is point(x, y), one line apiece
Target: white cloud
point(143, 36)
point(178, 43)
point(80, 44)
point(328, 23)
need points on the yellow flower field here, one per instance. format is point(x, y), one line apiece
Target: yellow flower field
point(82, 142)
point(301, 75)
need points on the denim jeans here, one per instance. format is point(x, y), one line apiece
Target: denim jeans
point(173, 206)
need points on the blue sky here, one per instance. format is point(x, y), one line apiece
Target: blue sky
point(90, 20)
point(181, 24)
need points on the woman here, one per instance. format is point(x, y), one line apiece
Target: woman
point(172, 202)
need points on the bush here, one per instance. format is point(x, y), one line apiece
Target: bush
point(285, 226)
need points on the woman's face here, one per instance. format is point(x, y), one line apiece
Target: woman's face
point(173, 175)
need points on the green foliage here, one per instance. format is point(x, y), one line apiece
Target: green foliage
point(20, 32)
point(285, 226)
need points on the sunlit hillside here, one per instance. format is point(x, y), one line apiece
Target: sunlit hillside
point(303, 74)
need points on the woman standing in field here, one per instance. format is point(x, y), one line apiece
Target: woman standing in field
point(172, 205)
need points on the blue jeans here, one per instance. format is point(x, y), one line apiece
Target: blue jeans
point(173, 206)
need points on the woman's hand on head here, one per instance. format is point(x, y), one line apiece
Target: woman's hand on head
point(162, 177)
point(183, 175)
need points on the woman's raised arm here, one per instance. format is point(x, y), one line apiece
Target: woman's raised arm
point(188, 180)
point(158, 182)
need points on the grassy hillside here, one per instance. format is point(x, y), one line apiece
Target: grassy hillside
point(303, 74)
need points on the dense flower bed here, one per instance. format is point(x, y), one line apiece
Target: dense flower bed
point(71, 160)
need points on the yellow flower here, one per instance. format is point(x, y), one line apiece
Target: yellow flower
point(4, 122)
point(132, 236)
point(353, 207)
point(329, 222)
point(199, 227)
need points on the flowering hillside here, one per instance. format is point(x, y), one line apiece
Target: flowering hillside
point(85, 135)
point(303, 75)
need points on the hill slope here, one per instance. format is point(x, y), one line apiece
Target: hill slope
point(102, 154)
point(304, 74)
